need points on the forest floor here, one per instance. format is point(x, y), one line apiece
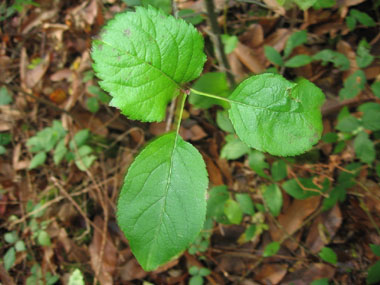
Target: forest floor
point(321, 225)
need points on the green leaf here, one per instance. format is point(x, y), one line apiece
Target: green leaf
point(328, 255)
point(322, 281)
point(143, 57)
point(371, 116)
point(76, 278)
point(9, 258)
point(362, 18)
point(46, 139)
point(353, 85)
point(273, 198)
point(339, 60)
point(162, 205)
point(234, 148)
point(43, 238)
point(11, 237)
point(364, 58)
point(164, 5)
point(211, 82)
point(295, 40)
point(204, 271)
point(218, 195)
point(37, 160)
point(298, 61)
point(330, 137)
point(233, 211)
point(5, 96)
point(20, 246)
point(246, 204)
point(294, 189)
point(348, 124)
point(351, 22)
point(257, 162)
point(59, 152)
point(196, 280)
point(274, 115)
point(378, 169)
point(305, 4)
point(364, 148)
point(194, 270)
point(5, 138)
point(322, 4)
point(229, 42)
point(190, 16)
point(102, 96)
point(224, 122)
point(375, 249)
point(3, 150)
point(273, 55)
point(271, 249)
point(376, 88)
point(92, 104)
point(374, 273)
point(80, 138)
point(279, 170)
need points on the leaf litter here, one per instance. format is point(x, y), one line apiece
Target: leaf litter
point(45, 65)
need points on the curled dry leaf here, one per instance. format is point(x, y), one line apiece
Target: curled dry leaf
point(30, 77)
point(104, 264)
point(292, 219)
point(307, 275)
point(249, 58)
point(324, 229)
point(271, 273)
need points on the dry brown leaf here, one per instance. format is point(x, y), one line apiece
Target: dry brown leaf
point(293, 218)
point(104, 265)
point(131, 271)
point(214, 173)
point(253, 37)
point(30, 77)
point(306, 275)
point(271, 273)
point(236, 66)
point(324, 229)
point(346, 49)
point(278, 39)
point(38, 18)
point(249, 58)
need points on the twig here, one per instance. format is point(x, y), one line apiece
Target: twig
point(217, 40)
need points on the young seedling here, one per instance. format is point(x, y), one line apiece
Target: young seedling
point(144, 59)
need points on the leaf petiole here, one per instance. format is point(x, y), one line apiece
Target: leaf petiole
point(181, 105)
point(210, 95)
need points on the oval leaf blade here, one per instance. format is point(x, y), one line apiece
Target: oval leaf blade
point(162, 204)
point(274, 115)
point(143, 57)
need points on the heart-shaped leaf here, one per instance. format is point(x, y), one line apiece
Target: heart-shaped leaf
point(274, 115)
point(162, 204)
point(143, 57)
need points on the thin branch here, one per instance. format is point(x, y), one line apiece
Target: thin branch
point(217, 40)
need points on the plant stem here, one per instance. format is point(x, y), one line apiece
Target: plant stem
point(210, 95)
point(179, 111)
point(217, 40)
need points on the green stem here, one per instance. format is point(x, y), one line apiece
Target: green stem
point(210, 95)
point(181, 106)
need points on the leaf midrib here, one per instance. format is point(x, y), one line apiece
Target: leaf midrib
point(165, 197)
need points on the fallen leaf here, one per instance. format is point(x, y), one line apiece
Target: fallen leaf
point(271, 273)
point(324, 229)
point(104, 265)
